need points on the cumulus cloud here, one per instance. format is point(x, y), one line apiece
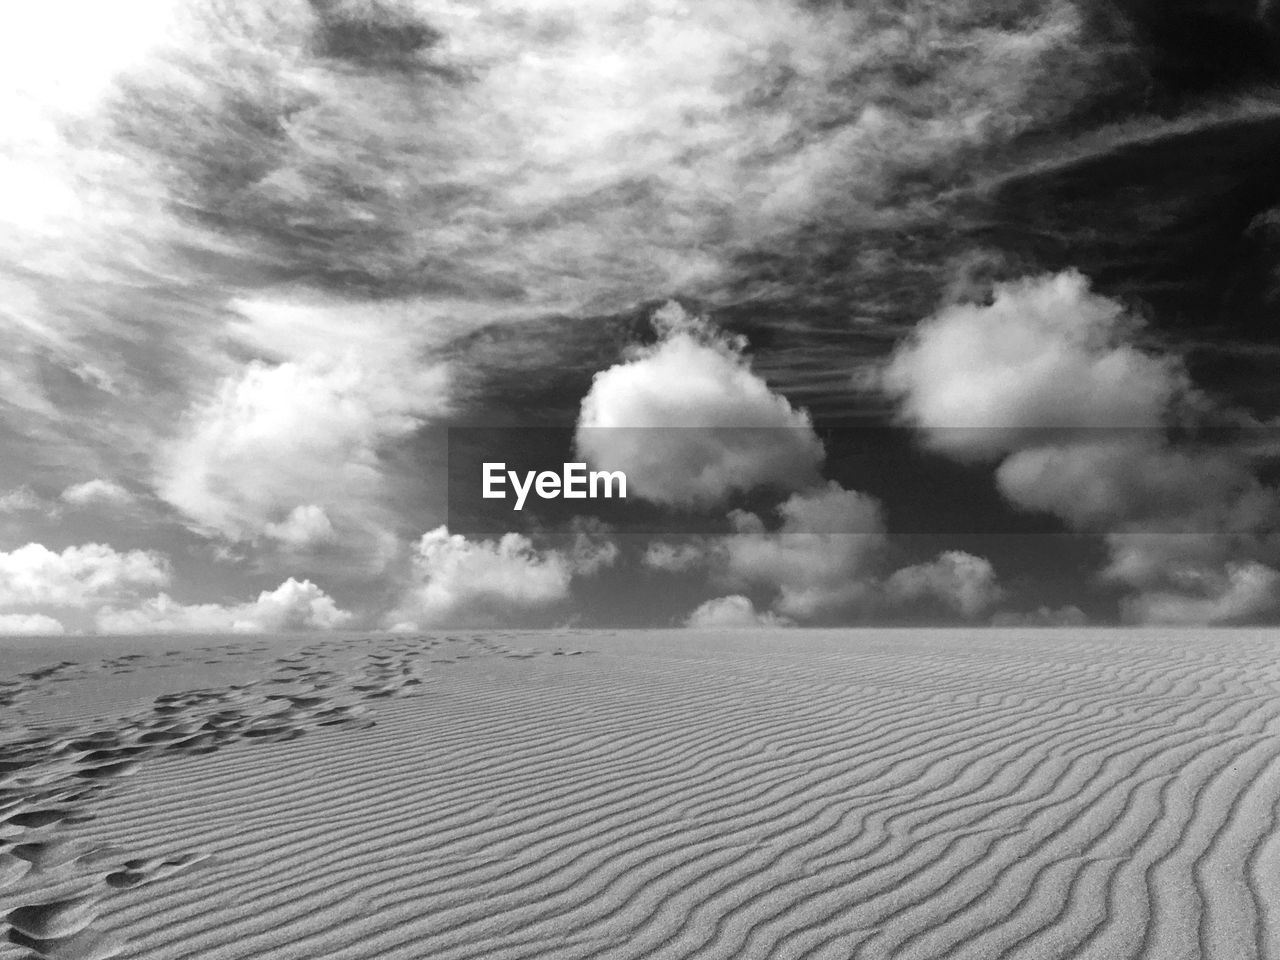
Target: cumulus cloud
point(820, 560)
point(29, 624)
point(317, 425)
point(458, 580)
point(97, 491)
point(592, 548)
point(732, 612)
point(1043, 616)
point(471, 163)
point(674, 557)
point(1137, 480)
point(990, 379)
point(689, 422)
point(78, 576)
point(1047, 379)
point(1204, 576)
point(304, 526)
point(294, 605)
point(960, 581)
point(21, 500)
point(1232, 593)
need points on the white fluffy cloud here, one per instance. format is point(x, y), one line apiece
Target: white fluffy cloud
point(21, 500)
point(990, 381)
point(960, 581)
point(985, 380)
point(457, 580)
point(732, 612)
point(689, 422)
point(305, 526)
point(820, 560)
point(29, 624)
point(97, 491)
point(312, 429)
point(674, 557)
point(592, 548)
point(1203, 576)
point(1233, 593)
point(1132, 479)
point(78, 576)
point(597, 155)
point(294, 605)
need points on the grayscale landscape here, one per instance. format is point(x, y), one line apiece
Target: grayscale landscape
point(741, 479)
point(877, 793)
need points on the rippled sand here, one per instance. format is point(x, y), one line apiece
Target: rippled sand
point(907, 794)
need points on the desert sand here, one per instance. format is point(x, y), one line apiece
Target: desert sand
point(466, 796)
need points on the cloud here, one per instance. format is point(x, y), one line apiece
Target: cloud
point(1136, 480)
point(29, 624)
point(689, 422)
point(21, 500)
point(821, 559)
point(1044, 616)
point(294, 605)
point(1047, 380)
point(1234, 593)
point(305, 526)
point(988, 379)
point(97, 491)
point(579, 157)
point(732, 612)
point(465, 164)
point(317, 425)
point(78, 576)
point(960, 581)
point(592, 548)
point(458, 580)
point(674, 557)
point(66, 52)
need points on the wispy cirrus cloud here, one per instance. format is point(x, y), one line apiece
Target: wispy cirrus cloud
point(253, 252)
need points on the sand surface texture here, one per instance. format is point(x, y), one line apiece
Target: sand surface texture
point(497, 796)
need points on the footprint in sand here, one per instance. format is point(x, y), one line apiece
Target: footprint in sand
point(120, 768)
point(46, 855)
point(12, 869)
point(201, 743)
point(143, 870)
point(35, 819)
point(56, 919)
point(86, 945)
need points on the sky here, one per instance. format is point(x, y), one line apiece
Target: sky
point(892, 313)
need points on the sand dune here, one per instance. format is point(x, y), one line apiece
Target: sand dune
point(883, 794)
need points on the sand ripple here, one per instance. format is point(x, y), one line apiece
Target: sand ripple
point(874, 795)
